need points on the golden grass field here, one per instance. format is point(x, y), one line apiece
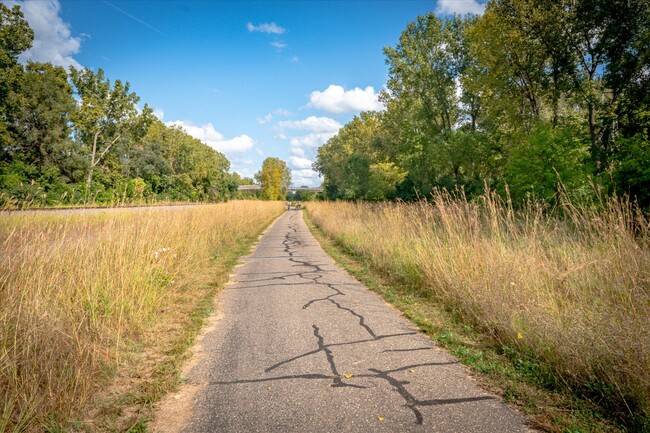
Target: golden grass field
point(81, 293)
point(572, 293)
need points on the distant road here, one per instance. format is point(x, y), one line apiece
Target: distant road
point(298, 345)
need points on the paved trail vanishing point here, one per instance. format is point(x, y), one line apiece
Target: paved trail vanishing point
point(298, 345)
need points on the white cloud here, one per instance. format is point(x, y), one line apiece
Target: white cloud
point(265, 119)
point(297, 151)
point(460, 7)
point(279, 45)
point(304, 177)
point(237, 144)
point(266, 28)
point(335, 99)
point(213, 138)
point(294, 59)
point(312, 140)
point(301, 163)
point(307, 172)
point(282, 112)
point(320, 129)
point(53, 41)
point(241, 161)
point(159, 113)
point(244, 171)
point(312, 123)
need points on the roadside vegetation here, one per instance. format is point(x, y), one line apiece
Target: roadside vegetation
point(76, 137)
point(536, 115)
point(528, 95)
point(97, 310)
point(563, 294)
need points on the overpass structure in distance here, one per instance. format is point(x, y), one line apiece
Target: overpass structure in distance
point(291, 189)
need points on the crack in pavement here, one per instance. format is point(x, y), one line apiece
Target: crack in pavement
point(347, 343)
point(398, 386)
point(413, 403)
point(310, 271)
point(289, 243)
point(338, 382)
point(407, 350)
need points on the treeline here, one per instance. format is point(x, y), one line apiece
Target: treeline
point(535, 98)
point(76, 138)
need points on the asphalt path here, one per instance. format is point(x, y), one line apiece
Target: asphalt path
point(301, 346)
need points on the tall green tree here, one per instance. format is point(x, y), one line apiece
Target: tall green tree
point(15, 38)
point(275, 178)
point(42, 121)
point(355, 162)
point(422, 70)
point(106, 115)
point(180, 166)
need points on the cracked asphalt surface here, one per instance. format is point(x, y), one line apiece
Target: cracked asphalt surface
point(301, 346)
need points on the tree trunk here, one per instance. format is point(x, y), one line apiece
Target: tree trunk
point(91, 168)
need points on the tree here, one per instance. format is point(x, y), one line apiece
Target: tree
point(242, 180)
point(179, 165)
point(275, 178)
point(42, 119)
point(346, 158)
point(510, 66)
point(105, 116)
point(15, 37)
point(422, 70)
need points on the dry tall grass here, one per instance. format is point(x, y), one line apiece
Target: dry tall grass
point(76, 288)
point(573, 292)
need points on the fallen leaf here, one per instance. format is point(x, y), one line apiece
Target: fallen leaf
point(411, 371)
point(347, 376)
point(380, 418)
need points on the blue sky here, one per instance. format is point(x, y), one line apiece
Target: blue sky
point(250, 78)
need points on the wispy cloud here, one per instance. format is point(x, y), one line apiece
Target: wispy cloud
point(134, 18)
point(266, 28)
point(312, 123)
point(279, 45)
point(53, 40)
point(460, 7)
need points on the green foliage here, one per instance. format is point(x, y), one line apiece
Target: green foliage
point(15, 37)
point(528, 96)
point(275, 178)
point(546, 163)
point(42, 120)
point(384, 178)
point(631, 171)
point(100, 149)
point(106, 116)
